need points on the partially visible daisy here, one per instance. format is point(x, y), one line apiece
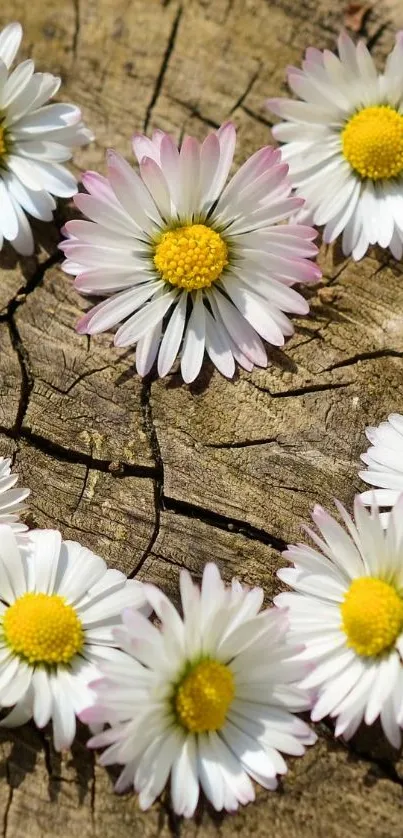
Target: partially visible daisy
point(384, 462)
point(348, 612)
point(35, 140)
point(11, 499)
point(344, 144)
point(188, 263)
point(58, 606)
point(208, 699)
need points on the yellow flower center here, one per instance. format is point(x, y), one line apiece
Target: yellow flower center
point(372, 616)
point(3, 147)
point(43, 629)
point(204, 696)
point(191, 257)
point(373, 142)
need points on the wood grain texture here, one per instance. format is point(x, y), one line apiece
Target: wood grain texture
point(155, 475)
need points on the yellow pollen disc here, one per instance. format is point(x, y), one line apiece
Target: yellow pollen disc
point(191, 257)
point(372, 616)
point(204, 696)
point(3, 147)
point(42, 629)
point(373, 142)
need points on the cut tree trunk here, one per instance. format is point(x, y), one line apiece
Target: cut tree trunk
point(155, 475)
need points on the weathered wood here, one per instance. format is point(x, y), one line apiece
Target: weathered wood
point(156, 475)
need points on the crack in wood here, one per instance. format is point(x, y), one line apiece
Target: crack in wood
point(247, 90)
point(164, 66)
point(27, 288)
point(158, 479)
point(303, 391)
point(117, 469)
point(195, 113)
point(77, 24)
point(8, 804)
point(27, 380)
point(223, 523)
point(244, 443)
point(257, 117)
point(373, 40)
point(364, 356)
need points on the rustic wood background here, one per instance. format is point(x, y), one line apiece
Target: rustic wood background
point(155, 475)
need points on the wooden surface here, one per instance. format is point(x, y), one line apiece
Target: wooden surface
point(156, 475)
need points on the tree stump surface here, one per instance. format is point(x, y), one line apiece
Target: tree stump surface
point(156, 475)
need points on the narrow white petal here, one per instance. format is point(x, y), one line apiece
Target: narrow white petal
point(184, 779)
point(10, 39)
point(194, 341)
point(173, 336)
point(147, 318)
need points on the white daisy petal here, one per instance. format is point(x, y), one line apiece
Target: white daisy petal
point(338, 140)
point(172, 338)
point(210, 777)
point(389, 723)
point(18, 687)
point(384, 461)
point(20, 714)
point(38, 204)
point(192, 696)
point(234, 775)
point(12, 571)
point(156, 765)
point(218, 347)
point(184, 779)
point(63, 716)
point(353, 641)
point(131, 192)
point(147, 318)
point(110, 311)
point(241, 332)
point(24, 241)
point(147, 349)
point(10, 39)
point(82, 570)
point(389, 670)
point(51, 591)
point(43, 558)
point(194, 341)
point(8, 671)
point(8, 218)
point(189, 169)
point(130, 594)
point(178, 231)
point(154, 179)
point(16, 83)
point(42, 703)
point(35, 139)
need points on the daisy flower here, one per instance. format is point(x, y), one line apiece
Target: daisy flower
point(58, 606)
point(384, 462)
point(344, 144)
point(35, 140)
point(347, 609)
point(11, 499)
point(208, 698)
point(175, 244)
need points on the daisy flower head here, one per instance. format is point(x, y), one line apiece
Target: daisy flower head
point(58, 606)
point(207, 699)
point(11, 499)
point(347, 610)
point(384, 461)
point(35, 140)
point(174, 246)
point(344, 144)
